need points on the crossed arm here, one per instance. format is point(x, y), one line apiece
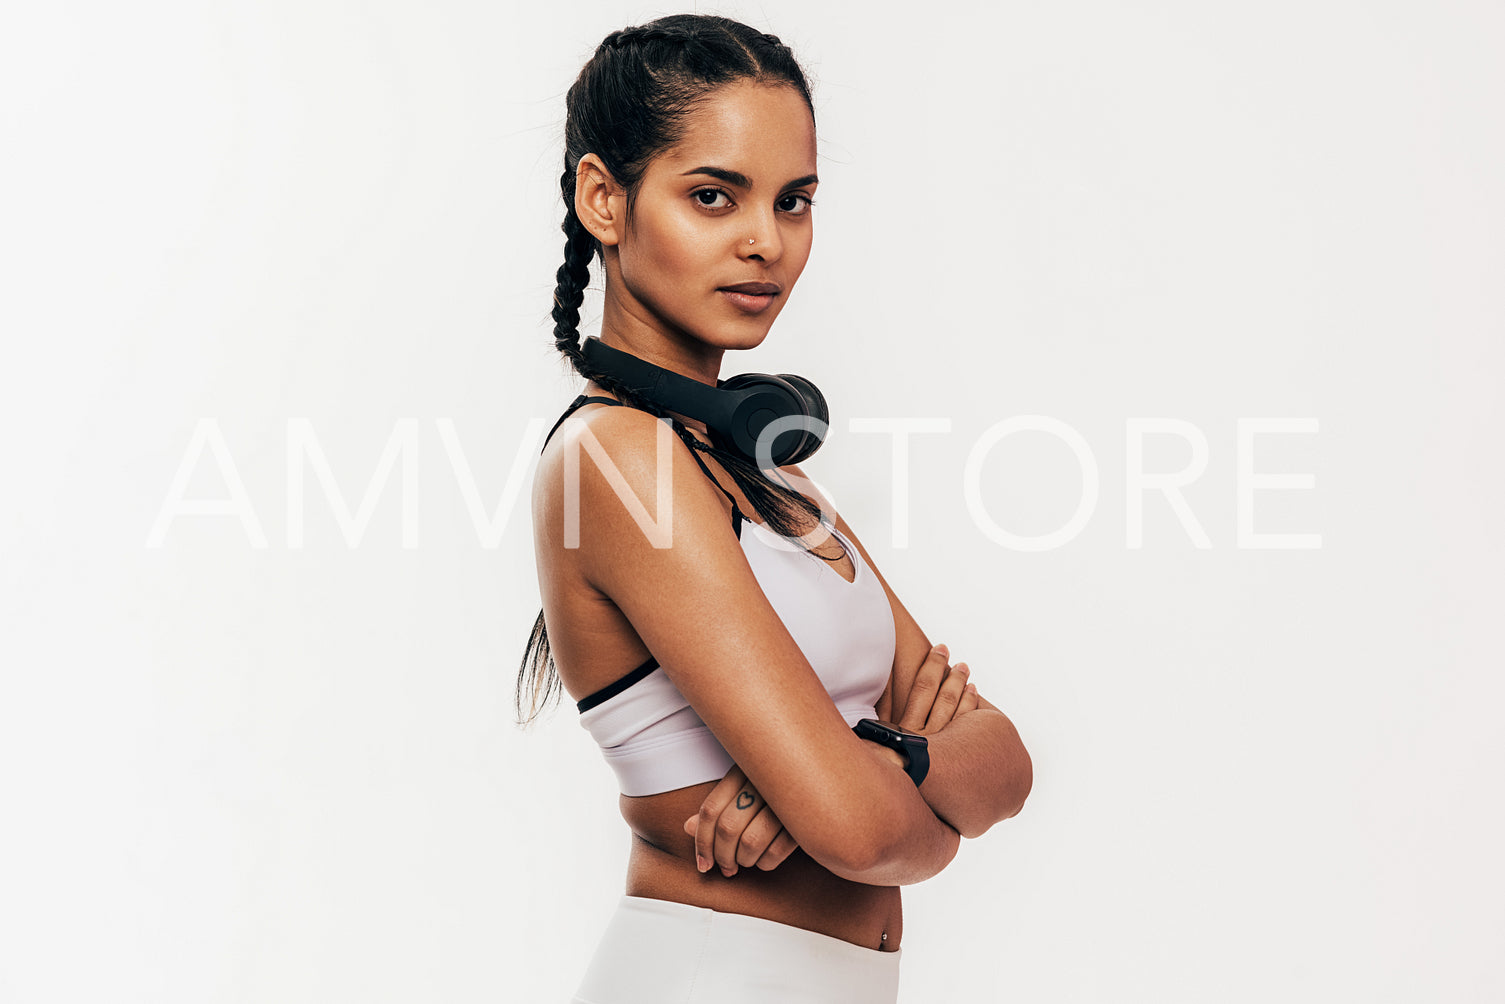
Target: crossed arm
point(736, 827)
point(980, 772)
point(697, 606)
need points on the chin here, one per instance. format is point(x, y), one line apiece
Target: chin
point(732, 341)
point(729, 336)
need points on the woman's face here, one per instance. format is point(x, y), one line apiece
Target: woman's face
point(744, 170)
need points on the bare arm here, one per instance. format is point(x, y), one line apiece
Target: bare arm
point(700, 610)
point(735, 827)
point(980, 772)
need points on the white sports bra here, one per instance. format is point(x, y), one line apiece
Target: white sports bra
point(648, 732)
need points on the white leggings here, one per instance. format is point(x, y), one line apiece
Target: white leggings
point(658, 952)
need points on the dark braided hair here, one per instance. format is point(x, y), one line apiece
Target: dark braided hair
point(629, 104)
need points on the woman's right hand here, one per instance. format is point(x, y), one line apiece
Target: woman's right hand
point(940, 693)
point(736, 826)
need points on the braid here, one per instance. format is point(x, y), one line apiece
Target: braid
point(638, 35)
point(635, 36)
point(580, 246)
point(570, 282)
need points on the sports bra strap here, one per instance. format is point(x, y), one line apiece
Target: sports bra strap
point(616, 686)
point(582, 399)
point(695, 445)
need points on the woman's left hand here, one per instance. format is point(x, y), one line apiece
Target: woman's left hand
point(736, 827)
point(938, 694)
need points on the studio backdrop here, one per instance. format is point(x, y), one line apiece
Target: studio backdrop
point(1162, 348)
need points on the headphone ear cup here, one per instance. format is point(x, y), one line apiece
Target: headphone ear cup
point(766, 398)
point(814, 408)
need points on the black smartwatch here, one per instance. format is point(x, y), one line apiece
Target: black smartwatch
point(914, 747)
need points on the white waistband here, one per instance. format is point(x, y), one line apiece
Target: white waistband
point(660, 952)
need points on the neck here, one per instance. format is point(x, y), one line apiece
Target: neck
point(683, 355)
point(688, 358)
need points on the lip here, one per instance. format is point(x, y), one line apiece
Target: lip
point(750, 303)
point(753, 288)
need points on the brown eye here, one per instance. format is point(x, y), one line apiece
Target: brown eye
point(707, 197)
point(796, 205)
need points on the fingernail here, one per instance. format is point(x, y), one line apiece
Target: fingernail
point(728, 872)
point(971, 688)
point(961, 667)
point(702, 864)
point(944, 651)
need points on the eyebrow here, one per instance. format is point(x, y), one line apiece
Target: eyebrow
point(743, 181)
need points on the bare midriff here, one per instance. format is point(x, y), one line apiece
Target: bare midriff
point(799, 892)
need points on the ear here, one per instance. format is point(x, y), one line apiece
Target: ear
point(600, 202)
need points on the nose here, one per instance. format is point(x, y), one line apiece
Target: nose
point(762, 241)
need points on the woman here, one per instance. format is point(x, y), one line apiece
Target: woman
point(770, 829)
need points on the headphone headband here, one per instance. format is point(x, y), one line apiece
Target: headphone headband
point(737, 411)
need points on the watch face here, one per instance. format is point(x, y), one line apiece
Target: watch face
point(894, 733)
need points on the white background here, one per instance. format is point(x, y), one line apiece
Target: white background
point(241, 773)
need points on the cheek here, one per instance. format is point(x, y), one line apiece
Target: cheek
point(677, 245)
point(799, 249)
point(692, 244)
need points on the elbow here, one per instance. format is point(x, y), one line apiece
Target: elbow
point(1024, 783)
point(873, 855)
point(890, 856)
point(878, 854)
point(851, 851)
point(1013, 797)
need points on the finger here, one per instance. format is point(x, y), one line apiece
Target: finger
point(969, 701)
point(783, 845)
point(922, 691)
point(946, 699)
point(710, 810)
point(730, 826)
point(758, 836)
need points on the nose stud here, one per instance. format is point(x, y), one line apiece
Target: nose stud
point(749, 240)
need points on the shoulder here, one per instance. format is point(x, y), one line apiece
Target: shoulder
point(620, 484)
point(627, 436)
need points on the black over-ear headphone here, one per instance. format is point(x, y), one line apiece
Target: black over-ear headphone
point(736, 410)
